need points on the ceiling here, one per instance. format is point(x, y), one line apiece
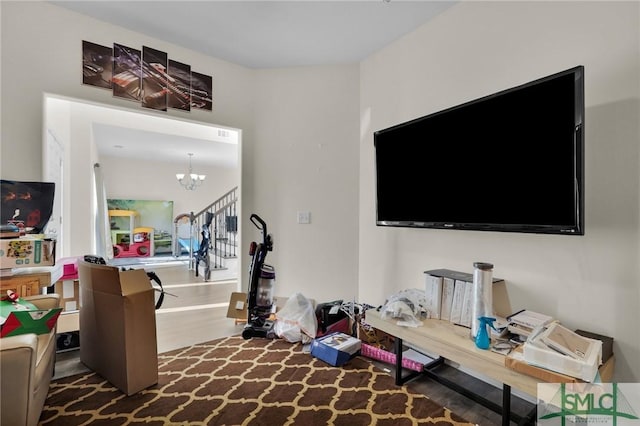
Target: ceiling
point(270, 34)
point(125, 133)
point(255, 34)
point(162, 145)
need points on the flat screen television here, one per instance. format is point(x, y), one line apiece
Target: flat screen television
point(512, 161)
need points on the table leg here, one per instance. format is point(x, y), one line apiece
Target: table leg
point(506, 405)
point(400, 379)
point(398, 349)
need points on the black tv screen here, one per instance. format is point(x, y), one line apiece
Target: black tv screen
point(511, 161)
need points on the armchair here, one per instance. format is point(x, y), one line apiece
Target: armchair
point(26, 367)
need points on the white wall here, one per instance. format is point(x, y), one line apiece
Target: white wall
point(306, 160)
point(39, 58)
point(154, 180)
point(477, 48)
point(301, 109)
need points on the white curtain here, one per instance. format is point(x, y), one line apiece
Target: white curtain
point(104, 248)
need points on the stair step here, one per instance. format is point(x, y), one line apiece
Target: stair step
point(225, 255)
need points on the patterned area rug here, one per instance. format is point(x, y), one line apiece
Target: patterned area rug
point(232, 381)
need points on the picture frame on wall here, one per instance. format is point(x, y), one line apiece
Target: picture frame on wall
point(97, 65)
point(126, 72)
point(179, 86)
point(201, 91)
point(154, 78)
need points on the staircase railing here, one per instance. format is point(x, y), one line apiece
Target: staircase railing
point(224, 229)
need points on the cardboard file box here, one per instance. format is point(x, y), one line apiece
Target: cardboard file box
point(335, 348)
point(118, 326)
point(27, 252)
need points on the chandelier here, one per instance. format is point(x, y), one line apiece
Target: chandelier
point(192, 180)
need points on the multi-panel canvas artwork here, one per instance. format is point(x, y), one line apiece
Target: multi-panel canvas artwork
point(154, 79)
point(126, 72)
point(147, 76)
point(179, 85)
point(96, 65)
point(201, 91)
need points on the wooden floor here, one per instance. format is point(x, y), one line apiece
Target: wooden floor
point(197, 314)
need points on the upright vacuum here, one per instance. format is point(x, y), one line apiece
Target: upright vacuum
point(261, 280)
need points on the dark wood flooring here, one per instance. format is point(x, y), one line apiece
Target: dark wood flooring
point(460, 404)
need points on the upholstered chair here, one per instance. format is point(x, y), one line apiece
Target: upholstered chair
point(26, 367)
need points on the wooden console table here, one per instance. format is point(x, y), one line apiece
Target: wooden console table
point(452, 342)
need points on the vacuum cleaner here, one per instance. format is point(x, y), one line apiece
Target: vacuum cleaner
point(261, 279)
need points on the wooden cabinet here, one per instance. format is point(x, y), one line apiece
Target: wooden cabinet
point(33, 284)
point(25, 284)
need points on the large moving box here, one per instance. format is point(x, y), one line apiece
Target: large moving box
point(118, 326)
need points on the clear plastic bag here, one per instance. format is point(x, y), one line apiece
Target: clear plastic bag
point(296, 321)
point(408, 306)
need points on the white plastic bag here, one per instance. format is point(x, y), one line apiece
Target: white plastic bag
point(296, 321)
point(407, 306)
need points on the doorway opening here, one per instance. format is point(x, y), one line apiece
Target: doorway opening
point(139, 153)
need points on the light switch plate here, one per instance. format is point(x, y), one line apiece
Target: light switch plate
point(304, 217)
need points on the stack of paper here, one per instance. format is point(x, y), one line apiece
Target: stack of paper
point(525, 321)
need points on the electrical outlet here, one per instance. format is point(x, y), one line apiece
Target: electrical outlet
point(304, 217)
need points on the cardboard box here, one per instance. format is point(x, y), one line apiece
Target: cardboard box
point(335, 348)
point(27, 252)
point(607, 343)
point(538, 354)
point(118, 326)
point(69, 291)
point(24, 317)
point(515, 361)
point(238, 307)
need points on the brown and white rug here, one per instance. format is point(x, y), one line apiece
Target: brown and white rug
point(232, 381)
